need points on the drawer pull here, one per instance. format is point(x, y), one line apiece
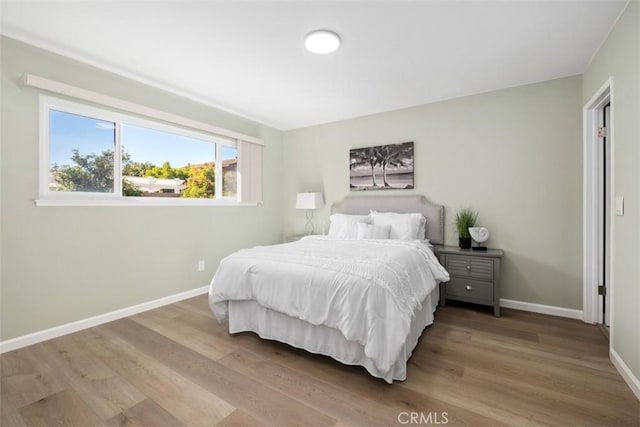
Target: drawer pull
point(468, 268)
point(468, 288)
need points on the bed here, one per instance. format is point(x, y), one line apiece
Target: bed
point(362, 301)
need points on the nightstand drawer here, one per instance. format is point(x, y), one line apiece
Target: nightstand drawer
point(475, 276)
point(470, 290)
point(466, 266)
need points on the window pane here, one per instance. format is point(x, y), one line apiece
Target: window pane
point(162, 164)
point(229, 171)
point(80, 153)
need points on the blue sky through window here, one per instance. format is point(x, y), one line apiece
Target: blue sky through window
point(69, 131)
point(157, 147)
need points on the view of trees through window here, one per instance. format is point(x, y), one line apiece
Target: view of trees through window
point(154, 163)
point(81, 153)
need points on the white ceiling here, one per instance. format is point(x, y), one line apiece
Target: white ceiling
point(249, 57)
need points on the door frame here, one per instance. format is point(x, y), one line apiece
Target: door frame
point(591, 310)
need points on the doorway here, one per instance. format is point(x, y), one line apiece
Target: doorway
point(604, 212)
point(598, 277)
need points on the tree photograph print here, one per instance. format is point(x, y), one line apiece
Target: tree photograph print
point(383, 167)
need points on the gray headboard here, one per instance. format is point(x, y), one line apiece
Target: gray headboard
point(401, 204)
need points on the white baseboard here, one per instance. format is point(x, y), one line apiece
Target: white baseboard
point(540, 308)
point(68, 328)
point(625, 372)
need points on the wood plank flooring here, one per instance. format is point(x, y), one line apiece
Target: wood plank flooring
point(176, 366)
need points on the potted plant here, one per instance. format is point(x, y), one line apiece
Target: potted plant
point(465, 218)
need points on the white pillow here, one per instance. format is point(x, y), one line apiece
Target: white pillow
point(344, 226)
point(403, 226)
point(370, 231)
point(422, 231)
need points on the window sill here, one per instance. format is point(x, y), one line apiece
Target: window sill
point(139, 201)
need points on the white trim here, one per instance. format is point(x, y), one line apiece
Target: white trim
point(591, 215)
point(60, 88)
point(218, 172)
point(625, 372)
point(540, 308)
point(141, 201)
point(68, 328)
point(117, 161)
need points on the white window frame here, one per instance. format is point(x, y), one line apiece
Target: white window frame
point(77, 198)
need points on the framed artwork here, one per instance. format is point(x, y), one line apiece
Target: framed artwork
point(383, 167)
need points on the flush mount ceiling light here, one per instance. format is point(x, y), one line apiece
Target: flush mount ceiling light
point(322, 41)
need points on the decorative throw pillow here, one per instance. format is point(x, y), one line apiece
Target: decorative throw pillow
point(344, 226)
point(370, 231)
point(403, 226)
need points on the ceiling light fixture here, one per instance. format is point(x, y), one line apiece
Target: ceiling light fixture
point(322, 41)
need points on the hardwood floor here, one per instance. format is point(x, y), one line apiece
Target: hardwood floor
point(177, 366)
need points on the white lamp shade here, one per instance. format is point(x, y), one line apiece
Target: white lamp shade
point(309, 201)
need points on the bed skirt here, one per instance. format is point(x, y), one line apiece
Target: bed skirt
point(249, 316)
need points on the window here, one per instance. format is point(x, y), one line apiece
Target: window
point(157, 163)
point(89, 153)
point(81, 153)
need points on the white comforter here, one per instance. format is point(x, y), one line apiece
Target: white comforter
point(367, 289)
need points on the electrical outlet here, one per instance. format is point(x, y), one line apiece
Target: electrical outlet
point(201, 265)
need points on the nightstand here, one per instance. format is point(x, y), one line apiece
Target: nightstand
point(475, 276)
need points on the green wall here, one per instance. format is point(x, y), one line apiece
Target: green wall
point(514, 155)
point(619, 58)
point(61, 264)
